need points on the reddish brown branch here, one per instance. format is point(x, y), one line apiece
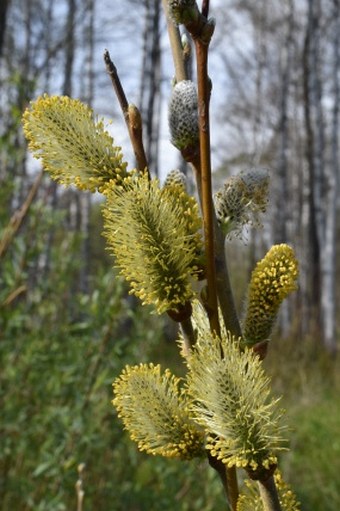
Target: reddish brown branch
point(131, 114)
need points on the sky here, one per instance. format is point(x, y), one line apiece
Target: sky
point(124, 45)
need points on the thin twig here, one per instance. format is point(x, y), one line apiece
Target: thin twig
point(269, 495)
point(14, 294)
point(201, 33)
point(176, 46)
point(203, 91)
point(80, 488)
point(189, 336)
point(18, 217)
point(131, 114)
point(205, 8)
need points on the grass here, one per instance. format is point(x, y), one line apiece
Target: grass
point(310, 384)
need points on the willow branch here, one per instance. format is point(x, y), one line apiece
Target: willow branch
point(131, 114)
point(209, 220)
point(189, 336)
point(176, 46)
point(203, 92)
point(224, 291)
point(205, 8)
point(269, 495)
point(199, 157)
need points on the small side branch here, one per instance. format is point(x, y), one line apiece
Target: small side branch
point(131, 114)
point(176, 46)
point(18, 217)
point(269, 495)
point(205, 8)
point(189, 336)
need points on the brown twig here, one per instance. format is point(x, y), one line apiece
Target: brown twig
point(18, 217)
point(269, 495)
point(201, 31)
point(205, 8)
point(14, 294)
point(176, 46)
point(131, 115)
point(79, 487)
point(209, 220)
point(203, 91)
point(189, 336)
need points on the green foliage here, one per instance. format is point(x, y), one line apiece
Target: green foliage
point(312, 386)
point(58, 350)
point(315, 460)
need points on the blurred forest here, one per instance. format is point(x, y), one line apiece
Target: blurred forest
point(67, 324)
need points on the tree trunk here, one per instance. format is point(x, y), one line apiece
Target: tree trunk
point(4, 4)
point(283, 197)
point(67, 91)
point(312, 251)
point(88, 94)
point(332, 176)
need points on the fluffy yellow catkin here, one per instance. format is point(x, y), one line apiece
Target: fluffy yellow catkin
point(250, 499)
point(230, 399)
point(273, 278)
point(73, 147)
point(154, 234)
point(154, 412)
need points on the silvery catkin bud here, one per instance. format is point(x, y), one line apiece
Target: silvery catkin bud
point(183, 11)
point(183, 115)
point(175, 177)
point(241, 200)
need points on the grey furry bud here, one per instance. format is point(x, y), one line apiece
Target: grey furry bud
point(183, 115)
point(175, 177)
point(183, 11)
point(241, 199)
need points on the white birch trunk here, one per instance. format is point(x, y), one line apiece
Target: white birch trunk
point(328, 302)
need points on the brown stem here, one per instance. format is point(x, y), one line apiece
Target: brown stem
point(14, 294)
point(203, 92)
point(209, 221)
point(205, 8)
point(176, 46)
point(269, 495)
point(189, 335)
point(224, 291)
point(135, 126)
point(228, 479)
point(131, 114)
point(219, 466)
point(217, 274)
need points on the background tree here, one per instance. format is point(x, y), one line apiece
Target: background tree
point(284, 83)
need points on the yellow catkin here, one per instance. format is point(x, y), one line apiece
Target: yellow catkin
point(73, 147)
point(154, 412)
point(273, 278)
point(154, 234)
